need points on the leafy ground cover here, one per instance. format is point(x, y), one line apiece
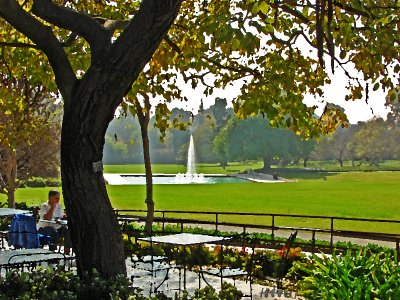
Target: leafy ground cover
point(353, 275)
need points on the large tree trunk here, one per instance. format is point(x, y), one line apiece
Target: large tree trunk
point(95, 234)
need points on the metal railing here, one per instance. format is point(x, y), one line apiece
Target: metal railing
point(335, 229)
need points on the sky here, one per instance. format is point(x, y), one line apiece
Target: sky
point(356, 111)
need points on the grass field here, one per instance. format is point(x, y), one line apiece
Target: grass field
point(373, 195)
point(174, 169)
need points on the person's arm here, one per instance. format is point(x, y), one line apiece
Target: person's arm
point(49, 214)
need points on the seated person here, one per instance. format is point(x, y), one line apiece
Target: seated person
point(52, 211)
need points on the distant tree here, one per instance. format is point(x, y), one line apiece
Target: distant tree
point(37, 157)
point(394, 142)
point(305, 148)
point(179, 133)
point(392, 101)
point(220, 146)
point(203, 136)
point(339, 142)
point(370, 141)
point(351, 148)
point(254, 138)
point(220, 112)
point(29, 133)
point(338, 146)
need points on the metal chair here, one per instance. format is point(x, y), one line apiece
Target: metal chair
point(283, 264)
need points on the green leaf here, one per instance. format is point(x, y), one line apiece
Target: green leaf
point(264, 7)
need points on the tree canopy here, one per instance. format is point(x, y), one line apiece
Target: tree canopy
point(254, 138)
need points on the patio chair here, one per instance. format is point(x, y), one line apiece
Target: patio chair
point(23, 233)
point(284, 260)
point(227, 271)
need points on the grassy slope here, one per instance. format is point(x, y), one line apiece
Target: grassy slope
point(365, 195)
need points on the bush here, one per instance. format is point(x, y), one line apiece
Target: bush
point(35, 182)
point(353, 275)
point(42, 182)
point(46, 284)
point(53, 182)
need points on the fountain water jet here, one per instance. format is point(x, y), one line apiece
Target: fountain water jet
point(191, 167)
point(190, 176)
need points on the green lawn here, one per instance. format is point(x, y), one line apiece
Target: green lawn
point(364, 195)
point(174, 169)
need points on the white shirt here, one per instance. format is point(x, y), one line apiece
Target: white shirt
point(58, 212)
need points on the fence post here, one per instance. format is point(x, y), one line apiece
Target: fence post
point(398, 249)
point(331, 232)
point(313, 240)
point(273, 227)
point(163, 221)
point(216, 222)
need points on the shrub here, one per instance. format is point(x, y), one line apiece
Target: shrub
point(228, 292)
point(35, 182)
point(42, 182)
point(52, 182)
point(59, 284)
point(353, 275)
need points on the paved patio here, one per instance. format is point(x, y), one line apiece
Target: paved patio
point(174, 282)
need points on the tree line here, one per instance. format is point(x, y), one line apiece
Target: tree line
point(221, 137)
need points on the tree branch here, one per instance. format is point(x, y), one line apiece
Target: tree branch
point(45, 40)
point(242, 70)
point(138, 42)
point(19, 45)
point(289, 10)
point(82, 24)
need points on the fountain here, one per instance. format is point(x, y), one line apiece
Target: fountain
point(190, 176)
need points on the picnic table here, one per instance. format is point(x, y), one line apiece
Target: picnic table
point(20, 258)
point(5, 211)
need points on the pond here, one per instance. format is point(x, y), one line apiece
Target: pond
point(140, 179)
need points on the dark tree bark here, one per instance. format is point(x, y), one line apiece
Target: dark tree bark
point(89, 106)
point(95, 234)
